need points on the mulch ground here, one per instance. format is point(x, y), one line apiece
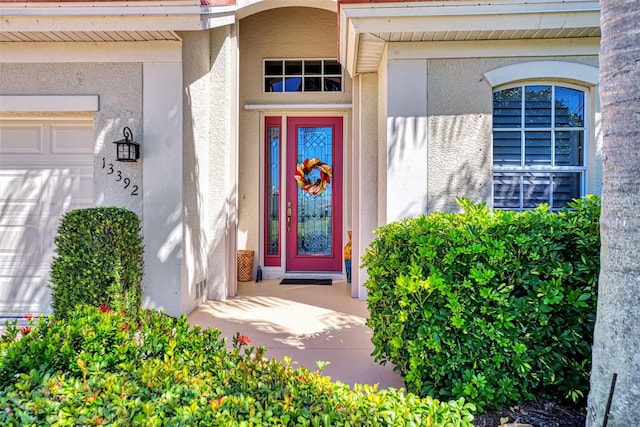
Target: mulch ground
point(539, 413)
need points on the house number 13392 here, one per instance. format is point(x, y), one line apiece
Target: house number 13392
point(119, 178)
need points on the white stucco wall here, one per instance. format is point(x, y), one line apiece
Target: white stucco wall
point(196, 59)
point(162, 194)
point(146, 97)
point(382, 138)
point(209, 77)
point(120, 105)
point(298, 32)
point(407, 178)
point(222, 174)
point(366, 176)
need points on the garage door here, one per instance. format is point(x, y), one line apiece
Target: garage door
point(46, 169)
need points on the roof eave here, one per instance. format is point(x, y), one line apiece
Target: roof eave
point(173, 15)
point(357, 19)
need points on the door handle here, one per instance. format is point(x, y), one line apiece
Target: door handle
point(288, 216)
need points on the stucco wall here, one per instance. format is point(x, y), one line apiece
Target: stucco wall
point(119, 87)
point(207, 59)
point(298, 32)
point(457, 161)
point(222, 171)
point(382, 138)
point(460, 109)
point(459, 132)
point(129, 95)
point(196, 61)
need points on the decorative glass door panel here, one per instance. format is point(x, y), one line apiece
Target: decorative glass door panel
point(314, 194)
point(272, 218)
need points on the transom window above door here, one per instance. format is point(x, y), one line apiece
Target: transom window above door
point(538, 146)
point(302, 75)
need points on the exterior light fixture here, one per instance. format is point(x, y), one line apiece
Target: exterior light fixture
point(127, 150)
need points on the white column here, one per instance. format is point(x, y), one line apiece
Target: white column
point(162, 186)
point(406, 139)
point(365, 175)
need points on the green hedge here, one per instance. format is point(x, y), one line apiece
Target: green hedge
point(98, 261)
point(494, 307)
point(94, 368)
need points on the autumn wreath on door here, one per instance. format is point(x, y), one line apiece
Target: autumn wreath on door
point(302, 176)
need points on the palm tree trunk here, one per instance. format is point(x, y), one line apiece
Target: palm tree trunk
point(616, 347)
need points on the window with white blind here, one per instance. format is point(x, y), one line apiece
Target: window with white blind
point(538, 146)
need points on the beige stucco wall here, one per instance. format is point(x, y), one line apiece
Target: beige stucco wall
point(459, 132)
point(458, 162)
point(120, 105)
point(460, 106)
point(298, 32)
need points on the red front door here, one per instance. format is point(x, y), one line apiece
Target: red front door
point(314, 201)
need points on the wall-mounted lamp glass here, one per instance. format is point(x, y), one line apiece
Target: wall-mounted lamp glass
point(127, 150)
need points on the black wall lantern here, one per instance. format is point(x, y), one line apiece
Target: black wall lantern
point(127, 150)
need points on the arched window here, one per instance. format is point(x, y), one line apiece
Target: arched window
point(541, 134)
point(538, 145)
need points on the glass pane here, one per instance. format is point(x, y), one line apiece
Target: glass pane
point(332, 84)
point(536, 189)
point(273, 188)
point(507, 108)
point(569, 148)
point(537, 106)
point(293, 68)
point(507, 148)
point(315, 211)
point(569, 107)
point(313, 67)
point(273, 68)
point(272, 84)
point(332, 67)
point(293, 84)
point(312, 84)
point(506, 191)
point(537, 148)
point(566, 187)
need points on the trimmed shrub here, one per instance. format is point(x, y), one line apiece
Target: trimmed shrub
point(95, 369)
point(98, 261)
point(493, 307)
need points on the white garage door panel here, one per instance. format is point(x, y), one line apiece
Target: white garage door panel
point(36, 189)
point(20, 295)
point(21, 139)
point(65, 139)
point(19, 186)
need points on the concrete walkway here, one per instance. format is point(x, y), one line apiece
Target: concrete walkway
point(305, 322)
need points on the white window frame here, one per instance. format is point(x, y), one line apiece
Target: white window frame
point(523, 170)
point(556, 73)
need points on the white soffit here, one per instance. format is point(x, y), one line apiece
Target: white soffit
point(428, 21)
point(147, 18)
point(88, 36)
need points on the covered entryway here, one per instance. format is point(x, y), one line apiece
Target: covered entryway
point(46, 169)
point(294, 105)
